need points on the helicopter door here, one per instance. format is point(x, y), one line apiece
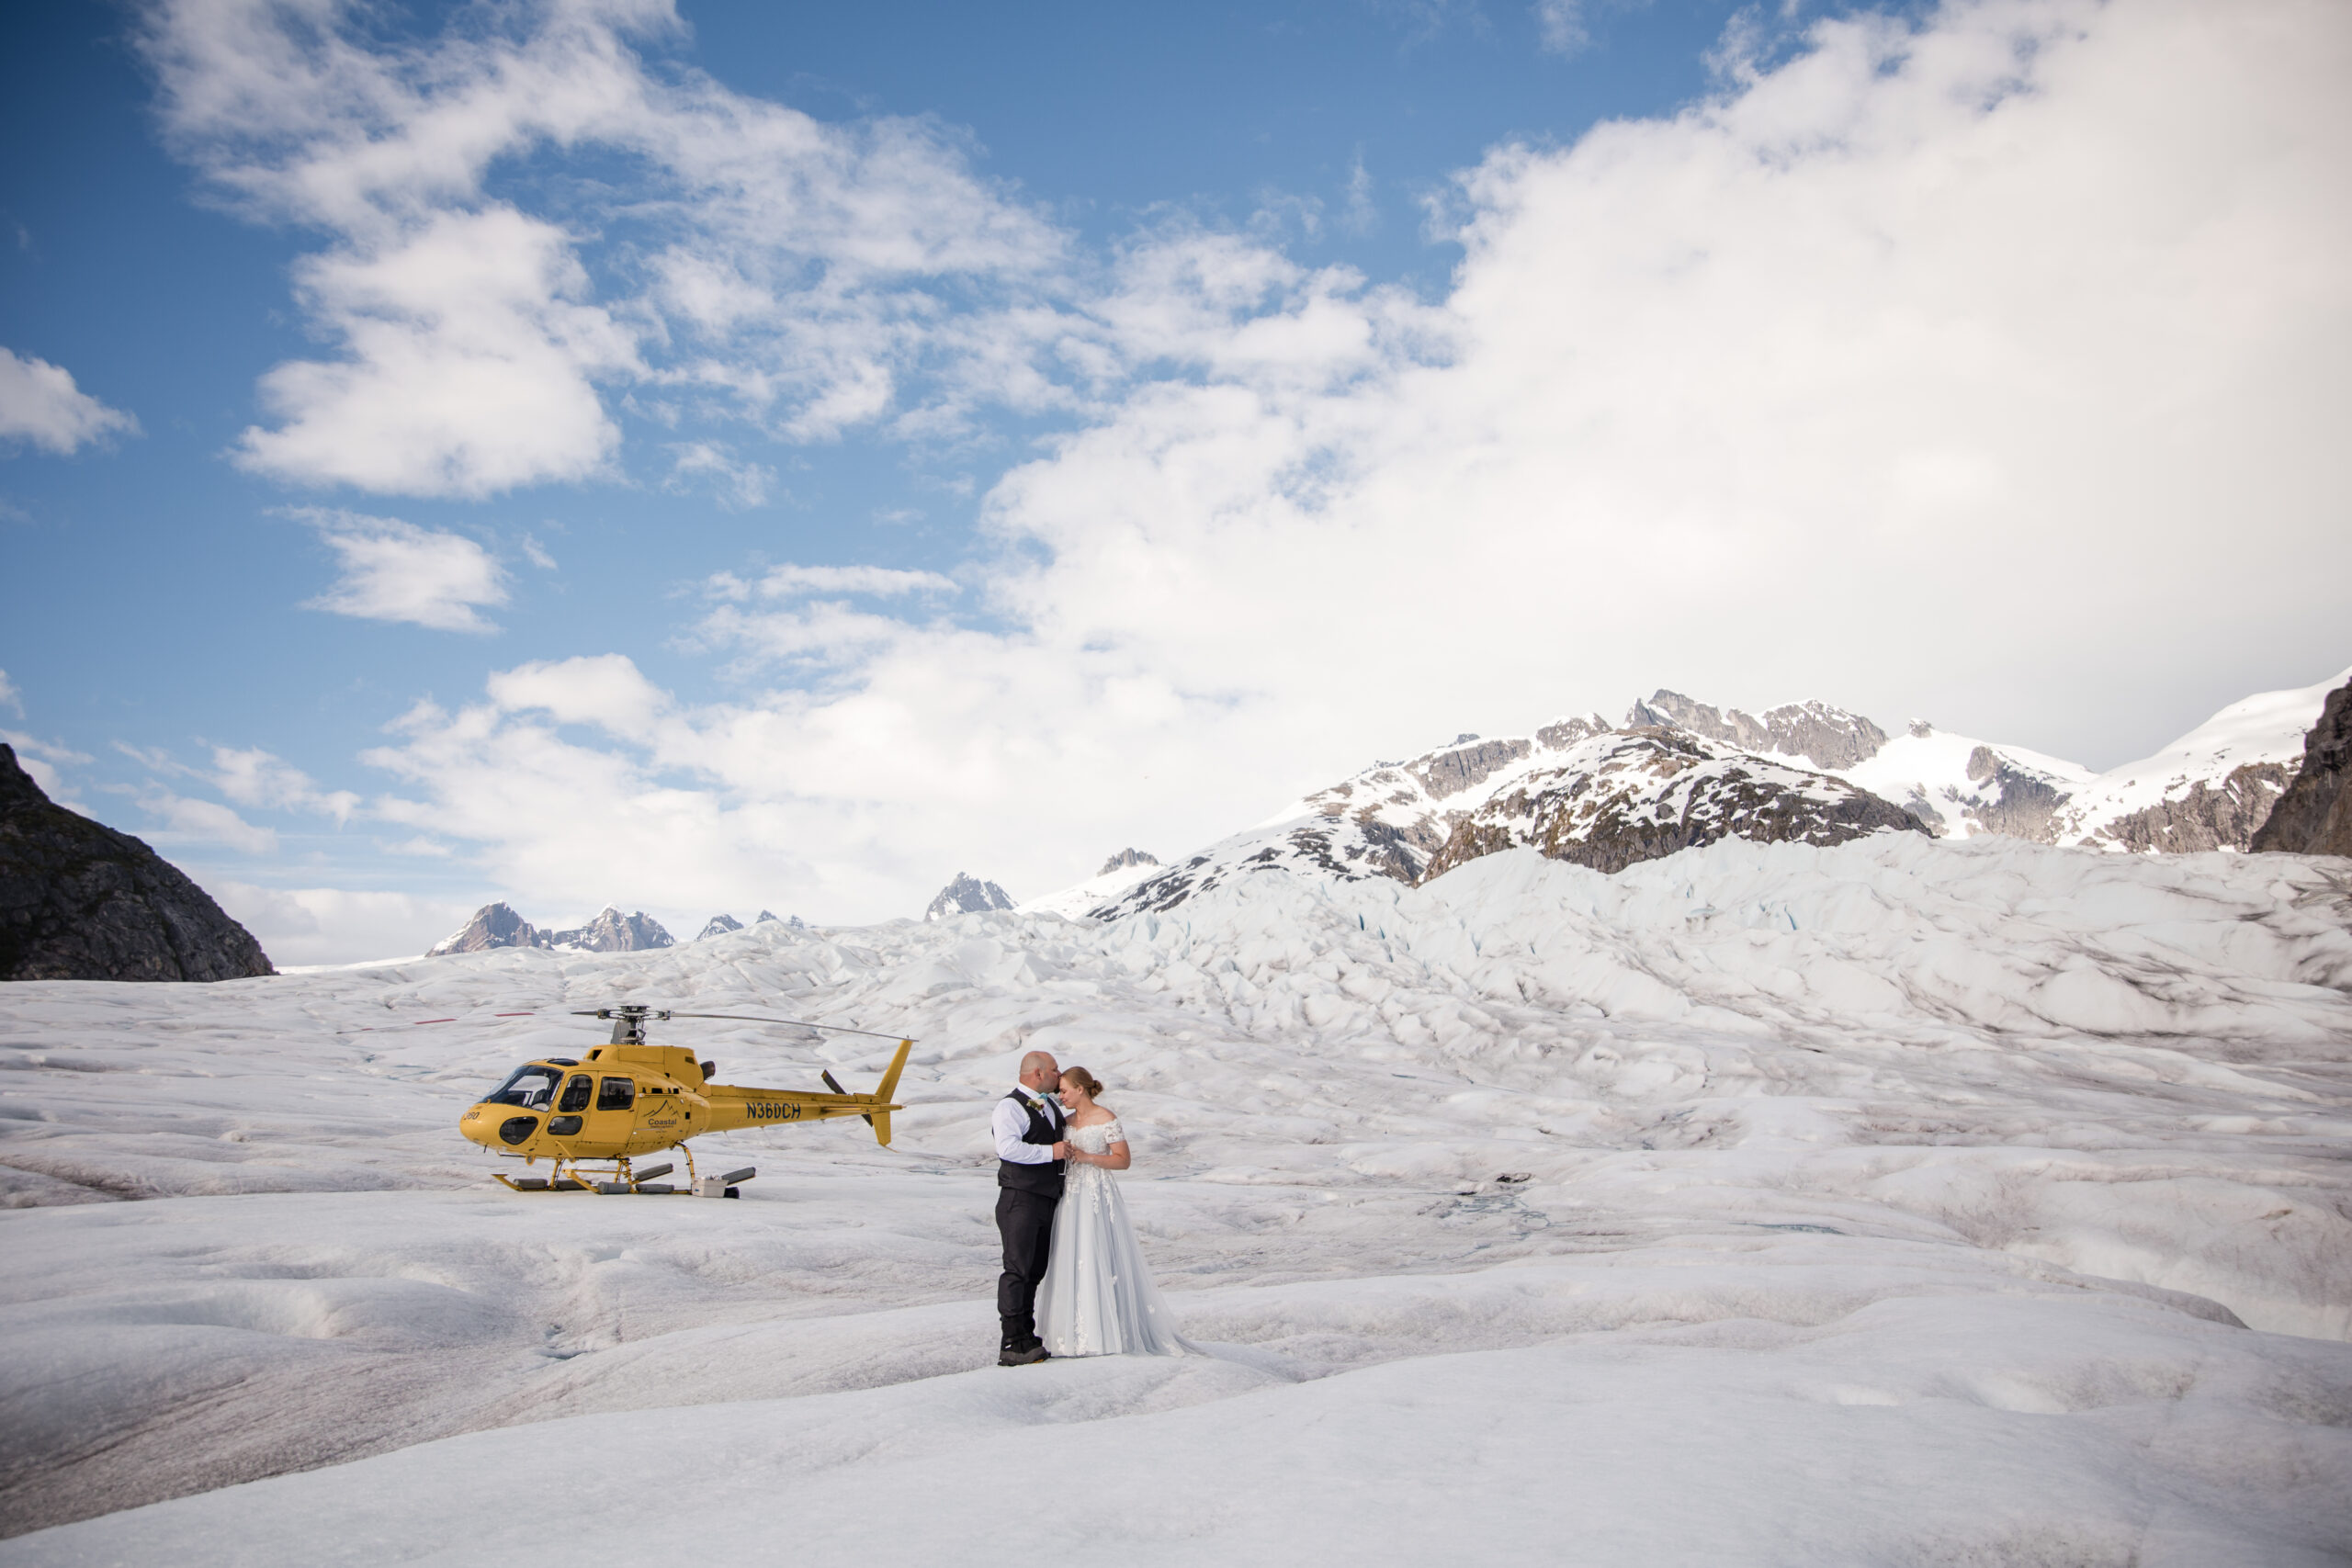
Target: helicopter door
point(576, 1093)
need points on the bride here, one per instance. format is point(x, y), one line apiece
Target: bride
point(1097, 1298)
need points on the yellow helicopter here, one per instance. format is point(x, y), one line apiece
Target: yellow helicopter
point(592, 1118)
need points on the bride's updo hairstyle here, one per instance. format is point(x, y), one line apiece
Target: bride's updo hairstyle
point(1080, 1077)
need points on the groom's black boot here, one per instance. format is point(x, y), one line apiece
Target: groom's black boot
point(1011, 1358)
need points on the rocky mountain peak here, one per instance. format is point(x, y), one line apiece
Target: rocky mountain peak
point(1125, 859)
point(493, 925)
point(79, 901)
point(499, 925)
point(1825, 736)
point(719, 926)
point(612, 932)
point(967, 896)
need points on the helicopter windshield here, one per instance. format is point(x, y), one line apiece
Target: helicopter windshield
point(530, 1087)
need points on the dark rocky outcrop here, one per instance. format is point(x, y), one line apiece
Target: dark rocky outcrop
point(967, 896)
point(720, 925)
point(1125, 859)
point(2022, 803)
point(79, 901)
point(1464, 766)
point(2314, 815)
point(2211, 815)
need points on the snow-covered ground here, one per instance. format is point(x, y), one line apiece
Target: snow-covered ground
point(1908, 1201)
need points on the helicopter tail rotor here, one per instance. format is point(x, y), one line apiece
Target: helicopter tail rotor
point(881, 1119)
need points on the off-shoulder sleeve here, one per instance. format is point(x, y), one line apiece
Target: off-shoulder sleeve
point(1112, 1132)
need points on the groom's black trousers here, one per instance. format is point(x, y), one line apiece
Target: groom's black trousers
point(1026, 1221)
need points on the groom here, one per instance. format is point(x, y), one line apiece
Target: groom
point(1030, 1149)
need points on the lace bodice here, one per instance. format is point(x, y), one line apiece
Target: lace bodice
point(1097, 1138)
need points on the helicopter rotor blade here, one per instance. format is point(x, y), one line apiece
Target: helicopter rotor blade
point(795, 1022)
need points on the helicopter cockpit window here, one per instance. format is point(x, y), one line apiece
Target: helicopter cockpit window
point(617, 1094)
point(576, 1093)
point(530, 1087)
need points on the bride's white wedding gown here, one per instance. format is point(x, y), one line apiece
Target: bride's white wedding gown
point(1097, 1298)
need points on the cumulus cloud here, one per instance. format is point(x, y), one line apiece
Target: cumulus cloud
point(258, 778)
point(11, 698)
point(1929, 367)
point(39, 405)
point(735, 256)
point(394, 570)
point(189, 820)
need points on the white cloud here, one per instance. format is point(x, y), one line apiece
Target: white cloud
point(397, 571)
point(1561, 24)
point(206, 822)
point(336, 925)
point(470, 367)
point(257, 778)
point(739, 485)
point(1926, 370)
point(11, 698)
point(39, 405)
point(749, 262)
point(790, 582)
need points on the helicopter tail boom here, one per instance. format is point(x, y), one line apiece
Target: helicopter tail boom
point(733, 1105)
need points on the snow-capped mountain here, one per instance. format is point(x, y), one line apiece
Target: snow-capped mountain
point(1678, 773)
point(1121, 872)
point(1578, 790)
point(966, 894)
point(1630, 796)
point(499, 925)
point(2210, 789)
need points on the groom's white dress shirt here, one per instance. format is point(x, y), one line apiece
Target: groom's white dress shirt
point(1010, 1123)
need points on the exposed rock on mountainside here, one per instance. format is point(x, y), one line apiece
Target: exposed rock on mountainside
point(1642, 795)
point(2203, 814)
point(79, 901)
point(612, 932)
point(967, 896)
point(1126, 858)
point(719, 926)
point(497, 925)
point(493, 925)
point(1829, 738)
point(2314, 815)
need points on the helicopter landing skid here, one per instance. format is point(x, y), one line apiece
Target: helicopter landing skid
point(609, 1177)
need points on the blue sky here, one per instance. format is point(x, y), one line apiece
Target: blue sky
point(772, 455)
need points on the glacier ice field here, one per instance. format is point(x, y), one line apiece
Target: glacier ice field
point(1909, 1201)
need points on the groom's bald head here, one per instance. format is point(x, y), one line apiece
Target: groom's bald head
point(1040, 1071)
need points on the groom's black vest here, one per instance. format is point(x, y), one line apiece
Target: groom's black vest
point(1043, 1178)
